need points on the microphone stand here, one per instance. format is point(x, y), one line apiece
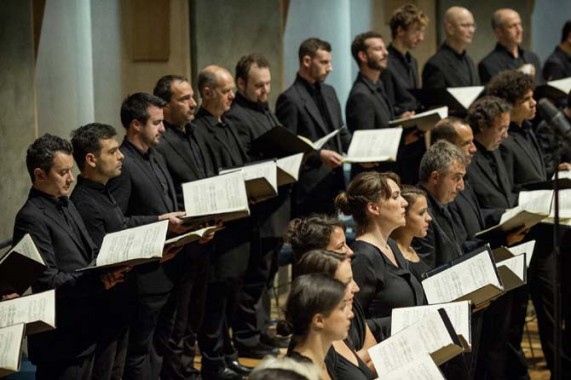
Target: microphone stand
point(557, 331)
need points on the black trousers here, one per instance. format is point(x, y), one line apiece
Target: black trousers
point(252, 317)
point(78, 369)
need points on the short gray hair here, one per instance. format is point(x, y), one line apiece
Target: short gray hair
point(438, 158)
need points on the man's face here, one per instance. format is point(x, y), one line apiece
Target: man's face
point(320, 65)
point(377, 54)
point(464, 27)
point(493, 136)
point(109, 160)
point(450, 183)
point(465, 141)
point(223, 94)
point(511, 30)
point(257, 88)
point(524, 108)
point(58, 179)
point(180, 109)
point(153, 129)
point(412, 36)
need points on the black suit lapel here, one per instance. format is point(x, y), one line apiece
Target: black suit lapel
point(523, 144)
point(180, 150)
point(311, 108)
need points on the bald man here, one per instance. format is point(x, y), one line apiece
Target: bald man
point(451, 66)
point(508, 53)
point(220, 142)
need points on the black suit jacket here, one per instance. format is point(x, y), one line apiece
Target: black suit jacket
point(368, 106)
point(500, 59)
point(439, 246)
point(443, 70)
point(557, 66)
point(404, 68)
point(78, 294)
point(298, 112)
point(252, 120)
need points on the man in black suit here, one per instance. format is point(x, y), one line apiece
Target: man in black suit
point(251, 117)
point(407, 31)
point(65, 245)
point(145, 187)
point(508, 53)
point(442, 171)
point(311, 109)
point(186, 162)
point(558, 64)
point(451, 66)
point(229, 260)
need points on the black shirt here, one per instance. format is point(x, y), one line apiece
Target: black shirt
point(448, 68)
point(501, 59)
point(404, 67)
point(557, 66)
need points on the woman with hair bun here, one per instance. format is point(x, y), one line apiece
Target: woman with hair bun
point(317, 313)
point(380, 269)
point(417, 223)
point(349, 358)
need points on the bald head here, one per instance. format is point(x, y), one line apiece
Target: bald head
point(507, 27)
point(216, 87)
point(458, 132)
point(459, 27)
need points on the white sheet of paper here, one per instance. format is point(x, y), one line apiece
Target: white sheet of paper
point(28, 309)
point(422, 118)
point(516, 264)
point(536, 200)
point(27, 248)
point(461, 279)
point(11, 347)
point(526, 247)
point(141, 242)
point(459, 314)
point(421, 368)
point(319, 143)
point(466, 95)
point(426, 336)
point(374, 145)
point(215, 195)
point(291, 164)
point(563, 85)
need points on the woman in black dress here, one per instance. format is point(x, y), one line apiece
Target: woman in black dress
point(318, 312)
point(379, 268)
point(417, 222)
point(348, 359)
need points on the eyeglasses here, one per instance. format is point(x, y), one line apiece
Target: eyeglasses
point(468, 26)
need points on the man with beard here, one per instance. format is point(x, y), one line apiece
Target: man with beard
point(251, 116)
point(508, 53)
point(311, 109)
point(451, 66)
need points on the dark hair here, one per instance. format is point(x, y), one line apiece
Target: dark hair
point(484, 111)
point(411, 194)
point(566, 31)
point(310, 294)
point(311, 46)
point(245, 64)
point(364, 188)
point(360, 43)
point(312, 232)
point(510, 85)
point(42, 151)
point(86, 140)
point(163, 88)
point(438, 158)
point(135, 106)
point(445, 130)
point(405, 16)
point(320, 261)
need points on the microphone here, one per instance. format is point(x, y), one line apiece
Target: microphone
point(555, 118)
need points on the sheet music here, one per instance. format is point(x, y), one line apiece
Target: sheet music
point(267, 170)
point(191, 236)
point(459, 314)
point(319, 143)
point(461, 279)
point(215, 195)
point(141, 242)
point(421, 368)
point(426, 336)
point(374, 145)
point(563, 85)
point(536, 200)
point(526, 247)
point(563, 174)
point(424, 121)
point(465, 95)
point(26, 247)
point(291, 164)
point(11, 347)
point(28, 309)
point(516, 264)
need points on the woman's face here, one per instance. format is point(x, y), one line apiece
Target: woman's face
point(336, 325)
point(392, 209)
point(337, 242)
point(417, 218)
point(344, 273)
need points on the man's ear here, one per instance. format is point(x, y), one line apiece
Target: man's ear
point(241, 84)
point(434, 177)
point(39, 174)
point(306, 61)
point(136, 125)
point(362, 56)
point(90, 160)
